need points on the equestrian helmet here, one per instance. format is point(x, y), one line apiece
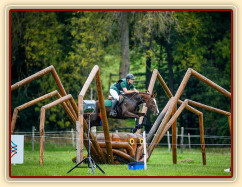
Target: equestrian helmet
point(129, 76)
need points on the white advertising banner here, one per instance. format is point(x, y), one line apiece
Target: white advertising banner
point(17, 149)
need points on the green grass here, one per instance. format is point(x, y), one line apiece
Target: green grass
point(58, 160)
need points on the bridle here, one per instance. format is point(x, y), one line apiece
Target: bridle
point(142, 100)
point(146, 101)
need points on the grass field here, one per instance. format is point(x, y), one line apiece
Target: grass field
point(57, 161)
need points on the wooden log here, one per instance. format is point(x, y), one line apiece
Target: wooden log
point(31, 78)
point(157, 122)
point(229, 120)
point(42, 134)
point(42, 122)
point(201, 128)
point(191, 109)
point(145, 152)
point(14, 118)
point(183, 85)
point(150, 89)
point(80, 108)
point(75, 107)
point(42, 73)
point(34, 101)
point(58, 101)
point(120, 145)
point(171, 121)
point(80, 119)
point(156, 139)
point(78, 152)
point(28, 104)
point(95, 143)
point(139, 152)
point(61, 101)
point(164, 86)
point(174, 138)
point(62, 90)
point(123, 155)
point(89, 80)
point(197, 104)
point(210, 83)
point(155, 126)
point(200, 115)
point(104, 118)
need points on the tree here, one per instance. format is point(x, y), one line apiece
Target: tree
point(124, 31)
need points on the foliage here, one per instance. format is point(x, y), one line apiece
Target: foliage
point(74, 41)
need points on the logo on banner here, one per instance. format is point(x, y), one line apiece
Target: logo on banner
point(14, 149)
point(17, 149)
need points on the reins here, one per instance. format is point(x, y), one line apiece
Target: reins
point(133, 101)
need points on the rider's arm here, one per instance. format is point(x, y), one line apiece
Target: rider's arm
point(129, 91)
point(136, 90)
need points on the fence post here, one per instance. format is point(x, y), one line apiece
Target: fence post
point(73, 137)
point(189, 141)
point(77, 142)
point(182, 133)
point(44, 143)
point(176, 136)
point(168, 141)
point(33, 128)
point(91, 96)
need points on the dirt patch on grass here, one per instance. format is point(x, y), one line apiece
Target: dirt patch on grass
point(186, 160)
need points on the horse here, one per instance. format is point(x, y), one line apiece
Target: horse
point(128, 108)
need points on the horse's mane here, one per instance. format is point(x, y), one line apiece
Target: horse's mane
point(140, 93)
point(146, 93)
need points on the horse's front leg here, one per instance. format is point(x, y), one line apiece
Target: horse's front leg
point(140, 114)
point(130, 115)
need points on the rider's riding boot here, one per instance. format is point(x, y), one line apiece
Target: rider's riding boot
point(113, 112)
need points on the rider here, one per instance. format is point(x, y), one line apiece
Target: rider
point(125, 85)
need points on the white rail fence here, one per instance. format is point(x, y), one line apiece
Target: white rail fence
point(69, 137)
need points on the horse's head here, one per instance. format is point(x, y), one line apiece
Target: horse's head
point(151, 103)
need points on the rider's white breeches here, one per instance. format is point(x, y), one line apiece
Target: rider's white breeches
point(114, 94)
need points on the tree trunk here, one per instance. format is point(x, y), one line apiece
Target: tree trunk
point(148, 72)
point(148, 65)
point(170, 68)
point(125, 59)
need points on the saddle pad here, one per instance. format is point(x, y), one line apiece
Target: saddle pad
point(108, 103)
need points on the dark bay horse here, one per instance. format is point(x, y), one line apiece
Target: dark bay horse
point(128, 108)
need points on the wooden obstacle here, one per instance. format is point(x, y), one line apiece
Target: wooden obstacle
point(115, 148)
point(165, 121)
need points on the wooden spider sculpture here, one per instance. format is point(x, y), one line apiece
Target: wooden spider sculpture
point(118, 148)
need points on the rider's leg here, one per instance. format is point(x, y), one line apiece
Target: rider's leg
point(113, 112)
point(114, 102)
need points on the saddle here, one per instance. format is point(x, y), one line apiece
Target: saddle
point(121, 98)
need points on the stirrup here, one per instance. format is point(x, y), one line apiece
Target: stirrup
point(113, 113)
